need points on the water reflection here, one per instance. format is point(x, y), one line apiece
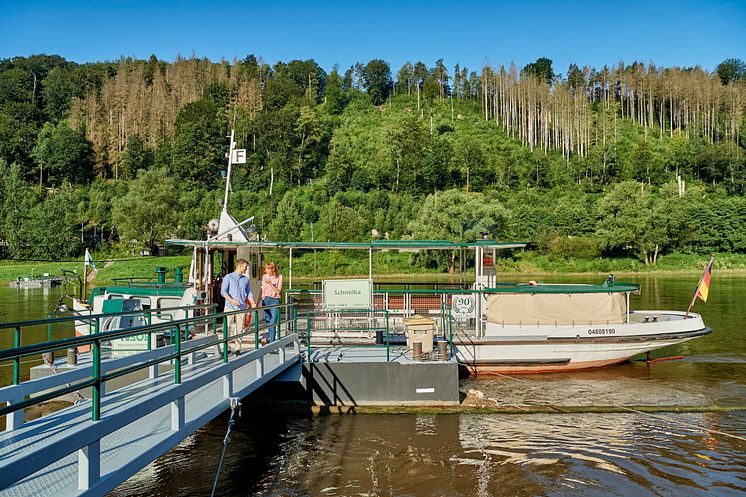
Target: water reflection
point(498, 455)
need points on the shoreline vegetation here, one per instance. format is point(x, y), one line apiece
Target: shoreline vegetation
point(604, 169)
point(393, 267)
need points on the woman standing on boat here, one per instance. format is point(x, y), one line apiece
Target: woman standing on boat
point(271, 291)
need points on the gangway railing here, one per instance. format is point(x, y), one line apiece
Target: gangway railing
point(71, 433)
point(93, 321)
point(98, 378)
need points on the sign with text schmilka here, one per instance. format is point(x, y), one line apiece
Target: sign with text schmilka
point(347, 294)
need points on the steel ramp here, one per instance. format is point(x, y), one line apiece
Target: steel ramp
point(65, 453)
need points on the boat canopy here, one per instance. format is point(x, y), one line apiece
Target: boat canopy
point(403, 245)
point(557, 306)
point(560, 288)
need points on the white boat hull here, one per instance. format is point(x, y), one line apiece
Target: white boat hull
point(538, 349)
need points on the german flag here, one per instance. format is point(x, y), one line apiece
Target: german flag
point(704, 284)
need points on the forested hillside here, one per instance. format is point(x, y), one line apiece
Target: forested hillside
point(620, 160)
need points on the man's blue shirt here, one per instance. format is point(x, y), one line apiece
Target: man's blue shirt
point(237, 286)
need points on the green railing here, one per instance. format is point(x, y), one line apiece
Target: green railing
point(95, 340)
point(350, 323)
point(373, 321)
point(94, 325)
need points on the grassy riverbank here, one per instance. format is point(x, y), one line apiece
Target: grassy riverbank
point(389, 265)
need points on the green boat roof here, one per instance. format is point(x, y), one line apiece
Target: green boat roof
point(143, 290)
point(562, 288)
point(373, 244)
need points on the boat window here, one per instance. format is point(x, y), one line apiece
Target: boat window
point(144, 301)
point(166, 303)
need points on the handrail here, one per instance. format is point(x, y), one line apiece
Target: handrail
point(384, 329)
point(81, 316)
point(453, 291)
point(98, 379)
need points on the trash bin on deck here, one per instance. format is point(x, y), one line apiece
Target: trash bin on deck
point(420, 329)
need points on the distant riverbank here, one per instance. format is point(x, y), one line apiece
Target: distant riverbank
point(390, 266)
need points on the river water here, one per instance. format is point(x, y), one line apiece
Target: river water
point(628, 454)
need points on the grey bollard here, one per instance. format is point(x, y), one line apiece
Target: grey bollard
point(417, 351)
point(442, 350)
point(72, 356)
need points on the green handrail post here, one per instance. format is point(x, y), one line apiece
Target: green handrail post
point(388, 348)
point(17, 359)
point(49, 331)
point(225, 337)
point(96, 400)
point(295, 319)
point(450, 329)
point(308, 337)
point(177, 366)
point(256, 328)
point(150, 334)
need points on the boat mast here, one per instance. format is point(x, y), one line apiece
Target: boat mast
point(229, 155)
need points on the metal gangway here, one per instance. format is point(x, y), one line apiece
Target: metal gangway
point(96, 444)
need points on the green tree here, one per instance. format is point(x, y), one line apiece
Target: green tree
point(53, 231)
point(542, 69)
point(731, 70)
point(137, 156)
point(199, 145)
point(377, 80)
point(147, 214)
point(62, 154)
point(459, 217)
point(308, 130)
point(625, 216)
point(288, 225)
point(342, 223)
point(336, 100)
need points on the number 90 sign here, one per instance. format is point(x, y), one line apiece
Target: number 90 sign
point(462, 306)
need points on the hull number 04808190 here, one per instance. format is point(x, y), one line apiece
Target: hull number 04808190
point(601, 331)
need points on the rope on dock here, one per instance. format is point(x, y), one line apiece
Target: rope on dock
point(235, 406)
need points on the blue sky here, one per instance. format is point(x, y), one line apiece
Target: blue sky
point(669, 33)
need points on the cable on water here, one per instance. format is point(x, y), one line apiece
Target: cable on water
point(235, 406)
point(690, 426)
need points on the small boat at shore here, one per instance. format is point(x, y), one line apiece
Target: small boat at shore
point(44, 281)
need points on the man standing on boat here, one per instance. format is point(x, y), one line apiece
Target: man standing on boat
point(237, 294)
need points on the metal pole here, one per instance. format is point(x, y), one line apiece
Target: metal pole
point(388, 348)
point(256, 328)
point(225, 337)
point(228, 174)
point(177, 365)
point(17, 359)
point(370, 263)
point(308, 337)
point(291, 268)
point(96, 400)
point(150, 333)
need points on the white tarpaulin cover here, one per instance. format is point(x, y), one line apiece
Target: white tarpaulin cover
point(559, 308)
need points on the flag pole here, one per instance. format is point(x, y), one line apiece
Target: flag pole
point(85, 280)
point(696, 290)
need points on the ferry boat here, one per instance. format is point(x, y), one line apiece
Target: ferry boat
point(532, 328)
